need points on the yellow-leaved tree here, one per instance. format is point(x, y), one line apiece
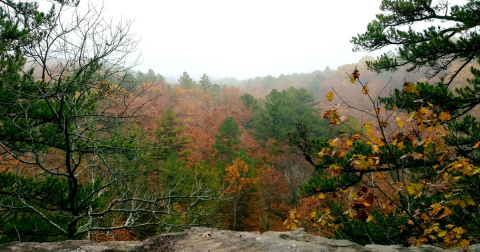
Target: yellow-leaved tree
point(411, 175)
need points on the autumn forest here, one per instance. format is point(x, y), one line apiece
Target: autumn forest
point(383, 150)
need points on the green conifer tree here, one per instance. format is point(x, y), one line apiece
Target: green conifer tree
point(205, 83)
point(168, 136)
point(227, 140)
point(283, 110)
point(186, 82)
point(434, 47)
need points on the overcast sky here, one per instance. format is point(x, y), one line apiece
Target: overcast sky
point(244, 39)
point(247, 38)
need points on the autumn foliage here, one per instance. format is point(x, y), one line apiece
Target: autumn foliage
point(403, 167)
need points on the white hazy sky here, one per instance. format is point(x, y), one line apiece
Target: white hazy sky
point(244, 39)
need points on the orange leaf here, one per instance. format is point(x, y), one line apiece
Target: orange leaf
point(356, 73)
point(355, 137)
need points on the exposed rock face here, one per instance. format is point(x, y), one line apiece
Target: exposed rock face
point(208, 239)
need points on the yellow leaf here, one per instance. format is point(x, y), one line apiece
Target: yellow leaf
point(427, 231)
point(409, 88)
point(445, 116)
point(329, 96)
point(476, 145)
point(448, 195)
point(378, 110)
point(417, 156)
point(369, 132)
point(446, 212)
point(413, 188)
point(327, 211)
point(442, 233)
point(400, 146)
point(459, 230)
point(321, 196)
point(460, 202)
point(333, 142)
point(470, 201)
point(365, 89)
point(370, 218)
point(352, 195)
point(436, 208)
point(400, 123)
point(464, 243)
point(352, 80)
point(349, 143)
point(313, 214)
point(450, 226)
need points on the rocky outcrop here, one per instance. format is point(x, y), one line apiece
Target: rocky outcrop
point(208, 239)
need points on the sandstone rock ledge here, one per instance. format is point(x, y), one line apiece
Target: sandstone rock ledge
point(214, 240)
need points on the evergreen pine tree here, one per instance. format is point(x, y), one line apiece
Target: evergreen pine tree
point(168, 136)
point(283, 110)
point(434, 47)
point(186, 82)
point(205, 83)
point(227, 140)
point(249, 101)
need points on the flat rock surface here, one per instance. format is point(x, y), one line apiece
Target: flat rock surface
point(214, 240)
